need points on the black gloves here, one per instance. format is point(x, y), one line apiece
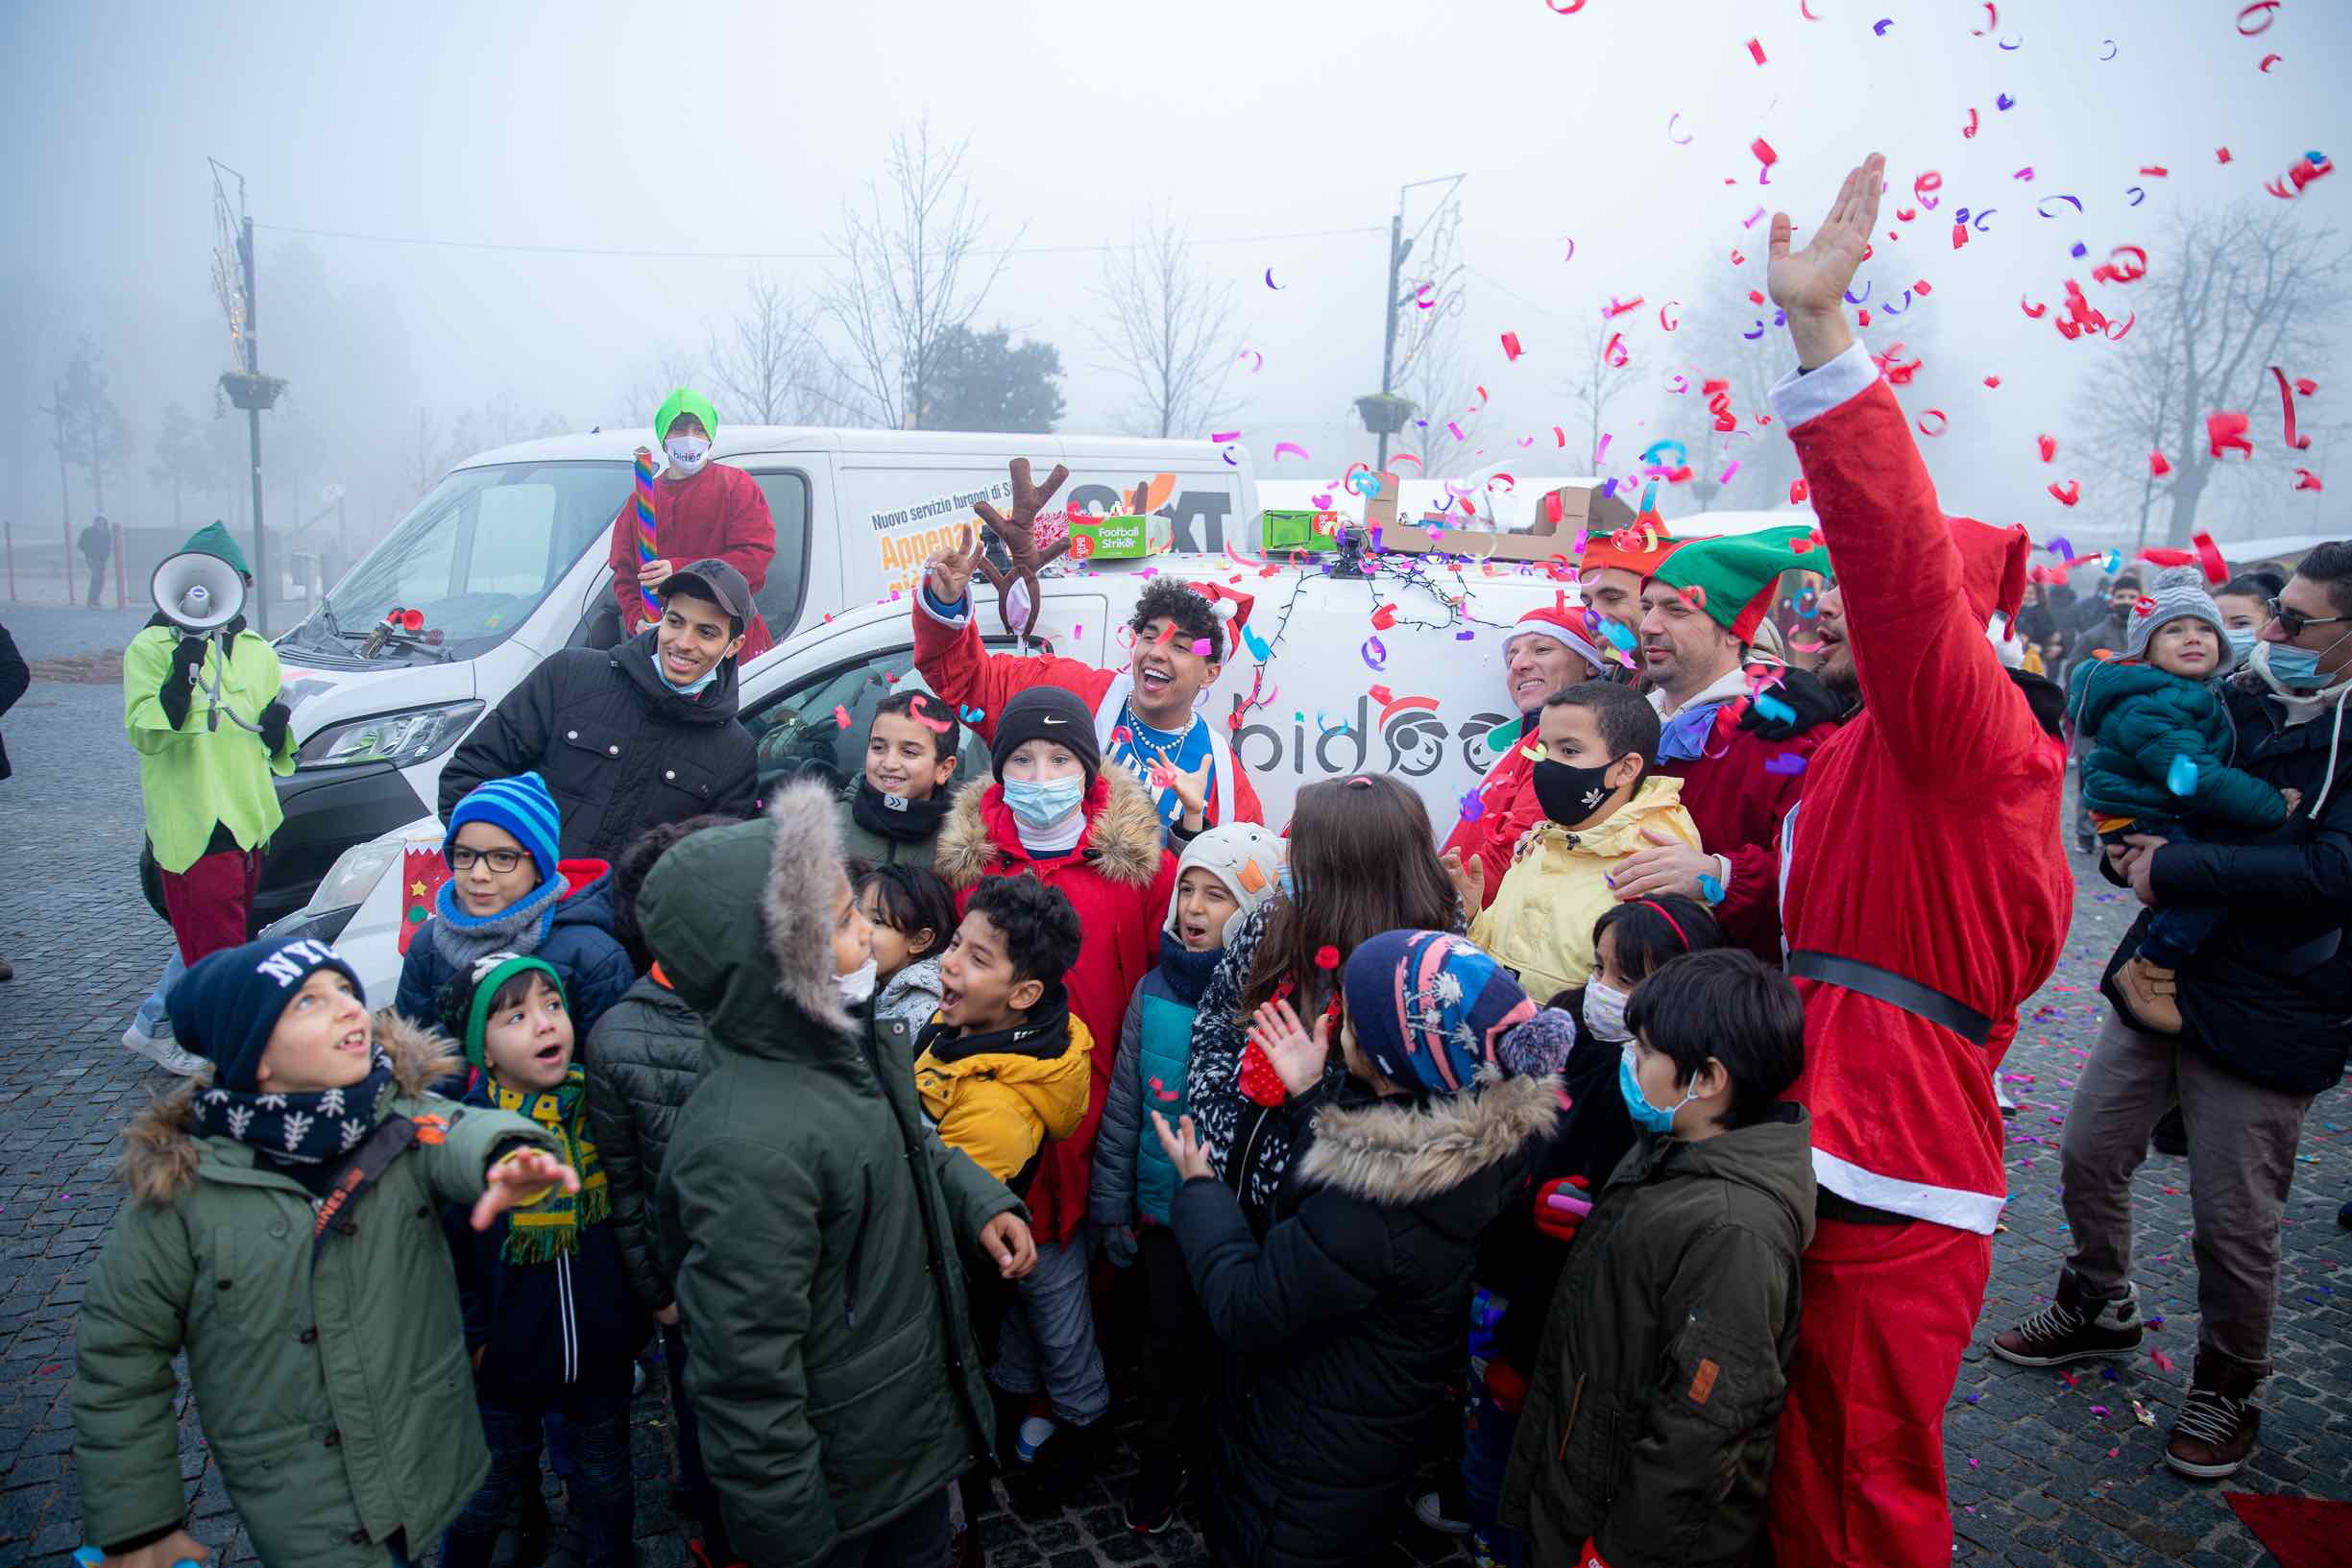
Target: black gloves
point(273, 719)
point(1803, 693)
point(179, 689)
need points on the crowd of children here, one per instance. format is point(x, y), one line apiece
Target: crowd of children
point(1510, 1162)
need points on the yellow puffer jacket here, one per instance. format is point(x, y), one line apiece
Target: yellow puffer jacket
point(999, 1098)
point(1539, 925)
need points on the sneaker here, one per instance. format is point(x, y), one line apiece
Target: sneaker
point(2072, 1329)
point(162, 1051)
point(1445, 1511)
point(2218, 1421)
point(1151, 1506)
point(2149, 997)
point(2001, 1096)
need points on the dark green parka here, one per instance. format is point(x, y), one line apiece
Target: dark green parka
point(820, 1229)
point(2143, 721)
point(338, 1399)
point(1650, 1418)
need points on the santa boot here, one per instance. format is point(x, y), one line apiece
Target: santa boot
point(2218, 1420)
point(2150, 998)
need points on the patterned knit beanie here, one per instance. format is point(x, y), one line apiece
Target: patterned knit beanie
point(1429, 1009)
point(2179, 595)
point(465, 998)
point(226, 1008)
point(525, 807)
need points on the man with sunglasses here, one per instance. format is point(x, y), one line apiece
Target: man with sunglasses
point(2265, 1007)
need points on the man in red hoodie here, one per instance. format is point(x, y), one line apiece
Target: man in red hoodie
point(1924, 895)
point(701, 510)
point(1145, 718)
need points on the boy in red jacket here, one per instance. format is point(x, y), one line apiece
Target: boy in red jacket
point(1925, 895)
point(1143, 716)
point(700, 509)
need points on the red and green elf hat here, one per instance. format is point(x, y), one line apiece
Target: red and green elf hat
point(1732, 580)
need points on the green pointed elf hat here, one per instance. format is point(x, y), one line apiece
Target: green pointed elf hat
point(685, 400)
point(1732, 580)
point(215, 538)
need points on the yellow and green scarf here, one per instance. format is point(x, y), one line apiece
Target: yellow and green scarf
point(550, 1228)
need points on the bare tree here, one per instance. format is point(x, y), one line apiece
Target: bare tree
point(90, 432)
point(1169, 326)
point(429, 450)
point(652, 379)
point(2232, 292)
point(912, 269)
point(768, 362)
point(1443, 393)
point(1592, 384)
point(182, 461)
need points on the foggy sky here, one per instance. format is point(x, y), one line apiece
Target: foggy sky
point(729, 129)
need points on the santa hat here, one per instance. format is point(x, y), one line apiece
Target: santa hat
point(1991, 565)
point(1557, 621)
point(1226, 605)
point(1638, 549)
point(1732, 580)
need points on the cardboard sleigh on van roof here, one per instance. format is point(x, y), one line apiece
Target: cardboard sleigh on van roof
point(1563, 515)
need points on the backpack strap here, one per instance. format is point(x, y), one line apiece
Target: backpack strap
point(393, 1137)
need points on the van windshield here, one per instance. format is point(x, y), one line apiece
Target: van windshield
point(473, 558)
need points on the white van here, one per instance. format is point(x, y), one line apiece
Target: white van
point(1426, 713)
point(505, 563)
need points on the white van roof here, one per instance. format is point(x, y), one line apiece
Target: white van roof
point(738, 440)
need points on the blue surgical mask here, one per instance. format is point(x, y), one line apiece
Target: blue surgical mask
point(693, 688)
point(2290, 666)
point(1043, 803)
point(1646, 1116)
point(2240, 642)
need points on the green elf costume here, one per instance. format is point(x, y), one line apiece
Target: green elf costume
point(204, 713)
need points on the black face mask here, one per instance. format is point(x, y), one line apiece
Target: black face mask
point(1569, 795)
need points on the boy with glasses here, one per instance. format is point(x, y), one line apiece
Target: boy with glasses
point(510, 891)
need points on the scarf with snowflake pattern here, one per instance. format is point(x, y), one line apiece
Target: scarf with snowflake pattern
point(551, 1227)
point(308, 1128)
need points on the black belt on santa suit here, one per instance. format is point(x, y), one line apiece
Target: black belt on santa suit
point(1896, 991)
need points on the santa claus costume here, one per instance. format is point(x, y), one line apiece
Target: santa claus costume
point(1924, 895)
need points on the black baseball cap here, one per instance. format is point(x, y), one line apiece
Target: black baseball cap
point(715, 581)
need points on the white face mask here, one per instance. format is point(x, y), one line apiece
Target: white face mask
point(686, 454)
point(858, 985)
point(1604, 1013)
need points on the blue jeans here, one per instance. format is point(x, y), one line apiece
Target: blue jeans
point(2175, 934)
point(603, 1499)
point(153, 1020)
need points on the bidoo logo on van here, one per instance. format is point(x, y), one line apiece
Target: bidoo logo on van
point(1415, 741)
point(907, 536)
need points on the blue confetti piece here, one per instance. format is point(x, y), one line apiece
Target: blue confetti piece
point(2181, 777)
point(1711, 889)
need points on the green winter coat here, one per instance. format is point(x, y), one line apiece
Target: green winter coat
point(194, 775)
point(338, 1401)
point(1651, 1413)
point(859, 842)
point(820, 1229)
point(2142, 721)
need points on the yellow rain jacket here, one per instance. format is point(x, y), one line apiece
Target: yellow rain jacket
point(1539, 925)
point(999, 1097)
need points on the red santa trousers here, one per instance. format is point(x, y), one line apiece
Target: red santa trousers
point(211, 901)
point(1859, 1476)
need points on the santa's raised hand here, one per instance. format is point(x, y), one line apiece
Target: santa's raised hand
point(1810, 285)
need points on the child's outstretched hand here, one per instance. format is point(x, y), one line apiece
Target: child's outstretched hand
point(1191, 789)
point(1007, 1239)
point(1297, 1056)
point(520, 1180)
point(1469, 875)
point(1182, 1146)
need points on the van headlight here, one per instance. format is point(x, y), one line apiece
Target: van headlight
point(353, 876)
point(403, 739)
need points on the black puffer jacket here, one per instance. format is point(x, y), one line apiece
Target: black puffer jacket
point(2268, 995)
point(620, 751)
point(643, 1059)
point(1342, 1327)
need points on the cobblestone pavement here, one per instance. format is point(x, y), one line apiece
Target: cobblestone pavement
point(2043, 1470)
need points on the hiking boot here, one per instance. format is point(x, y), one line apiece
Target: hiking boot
point(1063, 1463)
point(2149, 997)
point(2218, 1421)
point(1151, 1506)
point(2072, 1329)
point(162, 1051)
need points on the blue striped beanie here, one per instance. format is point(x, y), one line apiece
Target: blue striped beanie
point(521, 805)
point(1429, 1009)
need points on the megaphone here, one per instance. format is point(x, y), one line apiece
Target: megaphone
point(198, 592)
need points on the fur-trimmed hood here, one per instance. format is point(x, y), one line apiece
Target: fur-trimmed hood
point(162, 1147)
point(1400, 1152)
point(1123, 839)
point(740, 919)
